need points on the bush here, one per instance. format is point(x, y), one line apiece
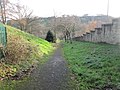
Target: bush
point(20, 51)
point(50, 37)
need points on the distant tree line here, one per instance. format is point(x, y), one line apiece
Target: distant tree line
point(65, 27)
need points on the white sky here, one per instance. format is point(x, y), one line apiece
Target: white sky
point(46, 8)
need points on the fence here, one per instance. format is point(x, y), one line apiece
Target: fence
point(3, 38)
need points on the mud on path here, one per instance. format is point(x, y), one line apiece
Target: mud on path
point(54, 75)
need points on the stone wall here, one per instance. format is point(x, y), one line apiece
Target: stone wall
point(107, 33)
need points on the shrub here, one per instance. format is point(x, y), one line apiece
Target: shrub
point(50, 37)
point(17, 49)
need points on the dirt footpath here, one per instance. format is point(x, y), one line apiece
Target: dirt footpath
point(54, 75)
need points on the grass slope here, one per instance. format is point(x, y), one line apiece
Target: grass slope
point(94, 66)
point(23, 52)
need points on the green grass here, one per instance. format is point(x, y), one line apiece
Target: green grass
point(43, 45)
point(32, 47)
point(94, 66)
point(22, 52)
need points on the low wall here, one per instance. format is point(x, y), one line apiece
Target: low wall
point(108, 33)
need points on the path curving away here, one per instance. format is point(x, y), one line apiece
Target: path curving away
point(54, 75)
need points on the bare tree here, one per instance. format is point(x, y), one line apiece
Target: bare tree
point(64, 27)
point(69, 28)
point(3, 10)
point(22, 15)
point(38, 29)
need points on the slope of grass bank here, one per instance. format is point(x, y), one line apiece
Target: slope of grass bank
point(23, 52)
point(93, 66)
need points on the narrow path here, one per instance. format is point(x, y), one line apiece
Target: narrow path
point(52, 76)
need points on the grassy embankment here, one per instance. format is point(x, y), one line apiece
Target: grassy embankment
point(24, 51)
point(93, 66)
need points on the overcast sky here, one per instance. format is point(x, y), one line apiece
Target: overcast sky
point(46, 8)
